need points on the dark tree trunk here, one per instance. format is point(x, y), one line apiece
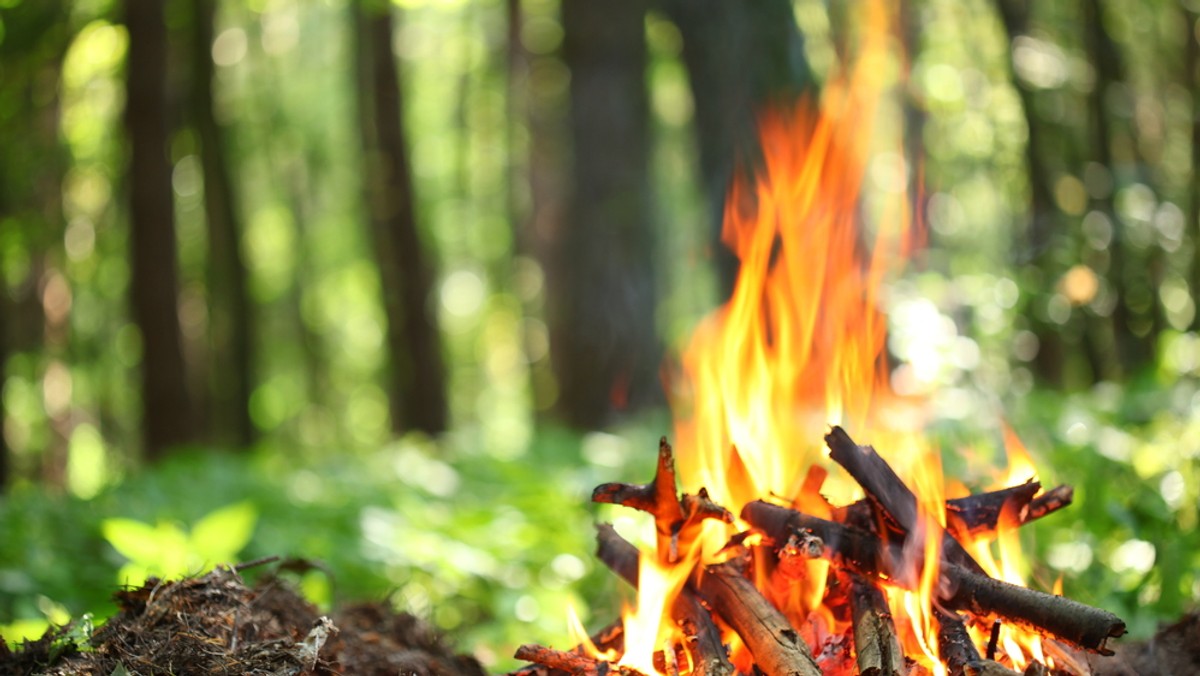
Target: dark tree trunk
point(1191, 83)
point(740, 57)
point(416, 386)
point(166, 409)
point(604, 345)
point(1043, 216)
point(1135, 348)
point(230, 330)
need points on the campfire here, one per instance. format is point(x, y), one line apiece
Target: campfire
point(777, 561)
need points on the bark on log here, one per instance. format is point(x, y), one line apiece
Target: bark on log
point(1047, 503)
point(958, 651)
point(975, 514)
point(778, 649)
point(959, 588)
point(704, 639)
point(875, 641)
point(609, 637)
point(887, 491)
point(1070, 620)
point(674, 518)
point(566, 661)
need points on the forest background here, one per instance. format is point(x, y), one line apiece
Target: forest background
point(389, 286)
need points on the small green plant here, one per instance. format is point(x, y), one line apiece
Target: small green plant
point(167, 550)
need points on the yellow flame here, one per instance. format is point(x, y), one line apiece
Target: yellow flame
point(648, 626)
point(579, 636)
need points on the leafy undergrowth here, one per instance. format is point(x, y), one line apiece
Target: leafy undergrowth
point(489, 550)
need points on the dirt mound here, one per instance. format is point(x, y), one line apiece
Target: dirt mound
point(216, 624)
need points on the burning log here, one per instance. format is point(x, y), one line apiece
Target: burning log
point(887, 492)
point(609, 637)
point(778, 648)
point(1070, 620)
point(959, 653)
point(959, 588)
point(708, 653)
point(672, 516)
point(976, 514)
point(875, 640)
point(566, 661)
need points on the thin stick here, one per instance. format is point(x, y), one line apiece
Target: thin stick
point(887, 491)
point(708, 651)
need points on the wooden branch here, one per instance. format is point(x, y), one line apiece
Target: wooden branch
point(887, 491)
point(777, 648)
point(657, 498)
point(959, 588)
point(676, 520)
point(568, 661)
point(1047, 503)
point(1070, 620)
point(875, 640)
point(975, 514)
point(609, 637)
point(704, 640)
point(955, 646)
point(980, 513)
point(848, 548)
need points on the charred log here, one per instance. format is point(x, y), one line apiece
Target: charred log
point(875, 641)
point(778, 648)
point(959, 588)
point(705, 641)
point(887, 492)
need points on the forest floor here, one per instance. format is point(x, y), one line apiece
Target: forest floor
point(217, 624)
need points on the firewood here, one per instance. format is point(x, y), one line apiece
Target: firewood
point(703, 638)
point(958, 651)
point(568, 661)
point(980, 513)
point(975, 514)
point(609, 637)
point(875, 640)
point(1047, 503)
point(675, 520)
point(1072, 621)
point(887, 492)
point(959, 588)
point(777, 648)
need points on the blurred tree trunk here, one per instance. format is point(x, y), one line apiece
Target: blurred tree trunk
point(1135, 345)
point(417, 387)
point(604, 344)
point(1043, 215)
point(229, 317)
point(166, 409)
point(741, 57)
point(1191, 83)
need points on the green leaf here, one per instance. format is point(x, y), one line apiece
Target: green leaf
point(134, 540)
point(220, 535)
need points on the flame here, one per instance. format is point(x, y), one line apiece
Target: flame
point(579, 636)
point(648, 626)
point(801, 342)
point(800, 345)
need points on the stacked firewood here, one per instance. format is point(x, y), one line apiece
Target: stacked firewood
point(865, 543)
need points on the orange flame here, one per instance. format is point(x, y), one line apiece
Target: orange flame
point(801, 344)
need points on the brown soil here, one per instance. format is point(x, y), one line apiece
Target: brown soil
point(216, 624)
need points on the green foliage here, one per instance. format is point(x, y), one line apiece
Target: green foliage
point(166, 550)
